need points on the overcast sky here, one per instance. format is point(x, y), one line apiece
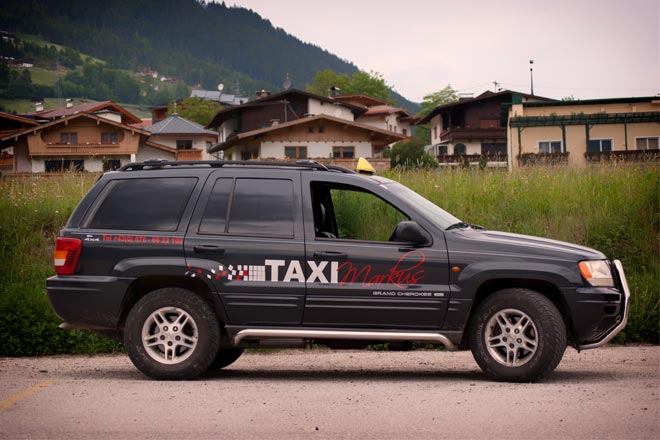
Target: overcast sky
point(584, 48)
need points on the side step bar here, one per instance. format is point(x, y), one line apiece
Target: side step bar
point(432, 338)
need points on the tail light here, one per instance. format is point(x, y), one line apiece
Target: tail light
point(66, 255)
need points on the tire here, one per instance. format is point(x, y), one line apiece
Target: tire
point(517, 335)
point(225, 357)
point(163, 350)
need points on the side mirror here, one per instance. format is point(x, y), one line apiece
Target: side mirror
point(411, 232)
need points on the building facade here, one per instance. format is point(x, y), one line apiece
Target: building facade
point(583, 131)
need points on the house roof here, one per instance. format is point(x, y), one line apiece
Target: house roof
point(366, 100)
point(594, 101)
point(387, 136)
point(88, 107)
point(17, 118)
point(484, 96)
point(175, 124)
point(222, 115)
point(156, 145)
point(143, 124)
point(223, 98)
point(13, 124)
point(386, 109)
point(65, 119)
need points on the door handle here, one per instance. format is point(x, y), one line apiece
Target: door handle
point(201, 248)
point(330, 255)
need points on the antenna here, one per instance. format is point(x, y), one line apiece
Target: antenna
point(287, 82)
point(221, 87)
point(495, 84)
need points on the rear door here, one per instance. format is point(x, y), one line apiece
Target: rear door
point(246, 240)
point(358, 276)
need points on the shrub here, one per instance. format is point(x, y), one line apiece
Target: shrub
point(411, 154)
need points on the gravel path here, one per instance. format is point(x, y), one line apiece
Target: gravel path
point(610, 393)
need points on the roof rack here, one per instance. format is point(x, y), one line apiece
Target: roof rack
point(162, 163)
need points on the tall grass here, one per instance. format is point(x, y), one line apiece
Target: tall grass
point(32, 210)
point(613, 208)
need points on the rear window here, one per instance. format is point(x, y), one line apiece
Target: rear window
point(143, 204)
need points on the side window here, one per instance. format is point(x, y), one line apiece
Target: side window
point(262, 207)
point(144, 204)
point(215, 214)
point(350, 213)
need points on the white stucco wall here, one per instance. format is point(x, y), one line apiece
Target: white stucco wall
point(147, 153)
point(314, 149)
point(436, 121)
point(91, 164)
point(373, 122)
point(198, 143)
point(317, 107)
point(226, 129)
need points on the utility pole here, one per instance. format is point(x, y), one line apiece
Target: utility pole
point(531, 76)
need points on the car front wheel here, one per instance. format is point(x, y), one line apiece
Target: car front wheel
point(517, 335)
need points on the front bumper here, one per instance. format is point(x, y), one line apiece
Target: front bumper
point(621, 317)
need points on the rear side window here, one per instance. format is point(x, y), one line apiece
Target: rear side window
point(262, 207)
point(143, 204)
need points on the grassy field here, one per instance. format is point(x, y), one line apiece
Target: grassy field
point(41, 76)
point(41, 42)
point(613, 208)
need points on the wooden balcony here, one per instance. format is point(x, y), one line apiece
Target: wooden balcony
point(470, 159)
point(533, 159)
point(6, 161)
point(189, 154)
point(623, 156)
point(456, 134)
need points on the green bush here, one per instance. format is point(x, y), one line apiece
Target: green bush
point(411, 155)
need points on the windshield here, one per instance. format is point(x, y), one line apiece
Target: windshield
point(436, 214)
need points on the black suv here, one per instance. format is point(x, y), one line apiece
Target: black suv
point(192, 262)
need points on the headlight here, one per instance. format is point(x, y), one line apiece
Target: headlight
point(597, 273)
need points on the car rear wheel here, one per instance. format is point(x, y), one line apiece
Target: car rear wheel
point(172, 334)
point(517, 335)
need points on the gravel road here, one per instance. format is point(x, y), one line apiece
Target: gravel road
point(610, 393)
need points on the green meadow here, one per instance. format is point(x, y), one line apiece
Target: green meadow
point(611, 207)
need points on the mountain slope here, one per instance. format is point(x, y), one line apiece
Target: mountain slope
point(199, 43)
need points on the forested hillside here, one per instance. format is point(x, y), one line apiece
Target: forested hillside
point(198, 43)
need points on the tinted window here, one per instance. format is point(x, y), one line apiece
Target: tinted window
point(213, 221)
point(144, 204)
point(262, 207)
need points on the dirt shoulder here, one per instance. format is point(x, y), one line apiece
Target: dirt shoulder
point(610, 393)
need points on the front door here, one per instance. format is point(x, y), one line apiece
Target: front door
point(358, 276)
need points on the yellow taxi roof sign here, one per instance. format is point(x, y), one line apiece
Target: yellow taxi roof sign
point(364, 167)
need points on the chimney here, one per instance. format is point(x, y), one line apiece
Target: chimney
point(69, 103)
point(39, 107)
point(262, 94)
